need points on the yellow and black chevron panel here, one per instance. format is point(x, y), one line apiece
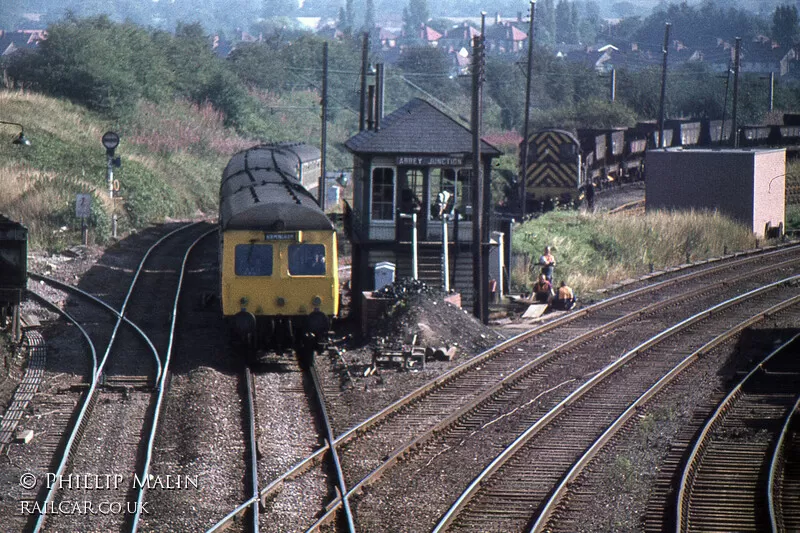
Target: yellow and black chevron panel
point(553, 162)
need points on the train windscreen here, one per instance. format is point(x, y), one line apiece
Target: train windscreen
point(253, 260)
point(307, 259)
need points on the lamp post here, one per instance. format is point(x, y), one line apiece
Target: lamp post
point(19, 139)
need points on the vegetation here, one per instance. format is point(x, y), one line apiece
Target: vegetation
point(593, 251)
point(172, 157)
point(182, 110)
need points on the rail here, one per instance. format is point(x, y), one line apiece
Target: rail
point(161, 384)
point(515, 446)
point(97, 374)
point(689, 471)
point(541, 522)
point(480, 360)
point(330, 438)
point(778, 458)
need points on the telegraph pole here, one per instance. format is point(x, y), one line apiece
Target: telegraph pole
point(771, 91)
point(725, 104)
point(665, 51)
point(613, 88)
point(523, 192)
point(362, 116)
point(486, 178)
point(480, 283)
point(380, 80)
point(736, 91)
point(324, 140)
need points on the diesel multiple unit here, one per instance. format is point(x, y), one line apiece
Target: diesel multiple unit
point(279, 285)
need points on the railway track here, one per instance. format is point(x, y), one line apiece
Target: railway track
point(726, 481)
point(203, 426)
point(373, 447)
point(298, 499)
point(572, 500)
point(513, 490)
point(106, 444)
point(297, 496)
point(784, 476)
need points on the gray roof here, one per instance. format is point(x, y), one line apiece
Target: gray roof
point(417, 128)
point(260, 190)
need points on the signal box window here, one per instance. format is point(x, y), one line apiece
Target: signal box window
point(307, 259)
point(383, 194)
point(444, 189)
point(464, 193)
point(253, 260)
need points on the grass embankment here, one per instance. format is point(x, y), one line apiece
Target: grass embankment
point(172, 159)
point(595, 250)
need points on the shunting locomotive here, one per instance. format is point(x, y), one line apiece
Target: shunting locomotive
point(564, 168)
point(279, 285)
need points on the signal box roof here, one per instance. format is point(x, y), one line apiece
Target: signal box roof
point(417, 128)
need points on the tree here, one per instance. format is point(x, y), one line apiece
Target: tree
point(350, 13)
point(574, 24)
point(562, 16)
point(545, 31)
point(415, 16)
point(76, 62)
point(369, 16)
point(434, 64)
point(590, 23)
point(785, 27)
point(690, 24)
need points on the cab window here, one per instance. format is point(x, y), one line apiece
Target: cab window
point(253, 260)
point(307, 259)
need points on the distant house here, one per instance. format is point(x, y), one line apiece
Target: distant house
point(505, 37)
point(309, 23)
point(12, 41)
point(461, 61)
point(331, 32)
point(247, 38)
point(763, 58)
point(388, 39)
point(600, 59)
point(430, 36)
point(760, 56)
point(459, 37)
point(220, 46)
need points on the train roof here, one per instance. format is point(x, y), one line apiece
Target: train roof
point(261, 190)
point(283, 157)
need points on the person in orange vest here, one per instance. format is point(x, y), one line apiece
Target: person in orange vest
point(547, 262)
point(542, 290)
point(565, 298)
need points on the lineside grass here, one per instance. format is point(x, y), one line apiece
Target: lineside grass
point(595, 250)
point(172, 160)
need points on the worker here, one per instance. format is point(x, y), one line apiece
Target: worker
point(565, 298)
point(590, 196)
point(547, 262)
point(443, 204)
point(542, 290)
